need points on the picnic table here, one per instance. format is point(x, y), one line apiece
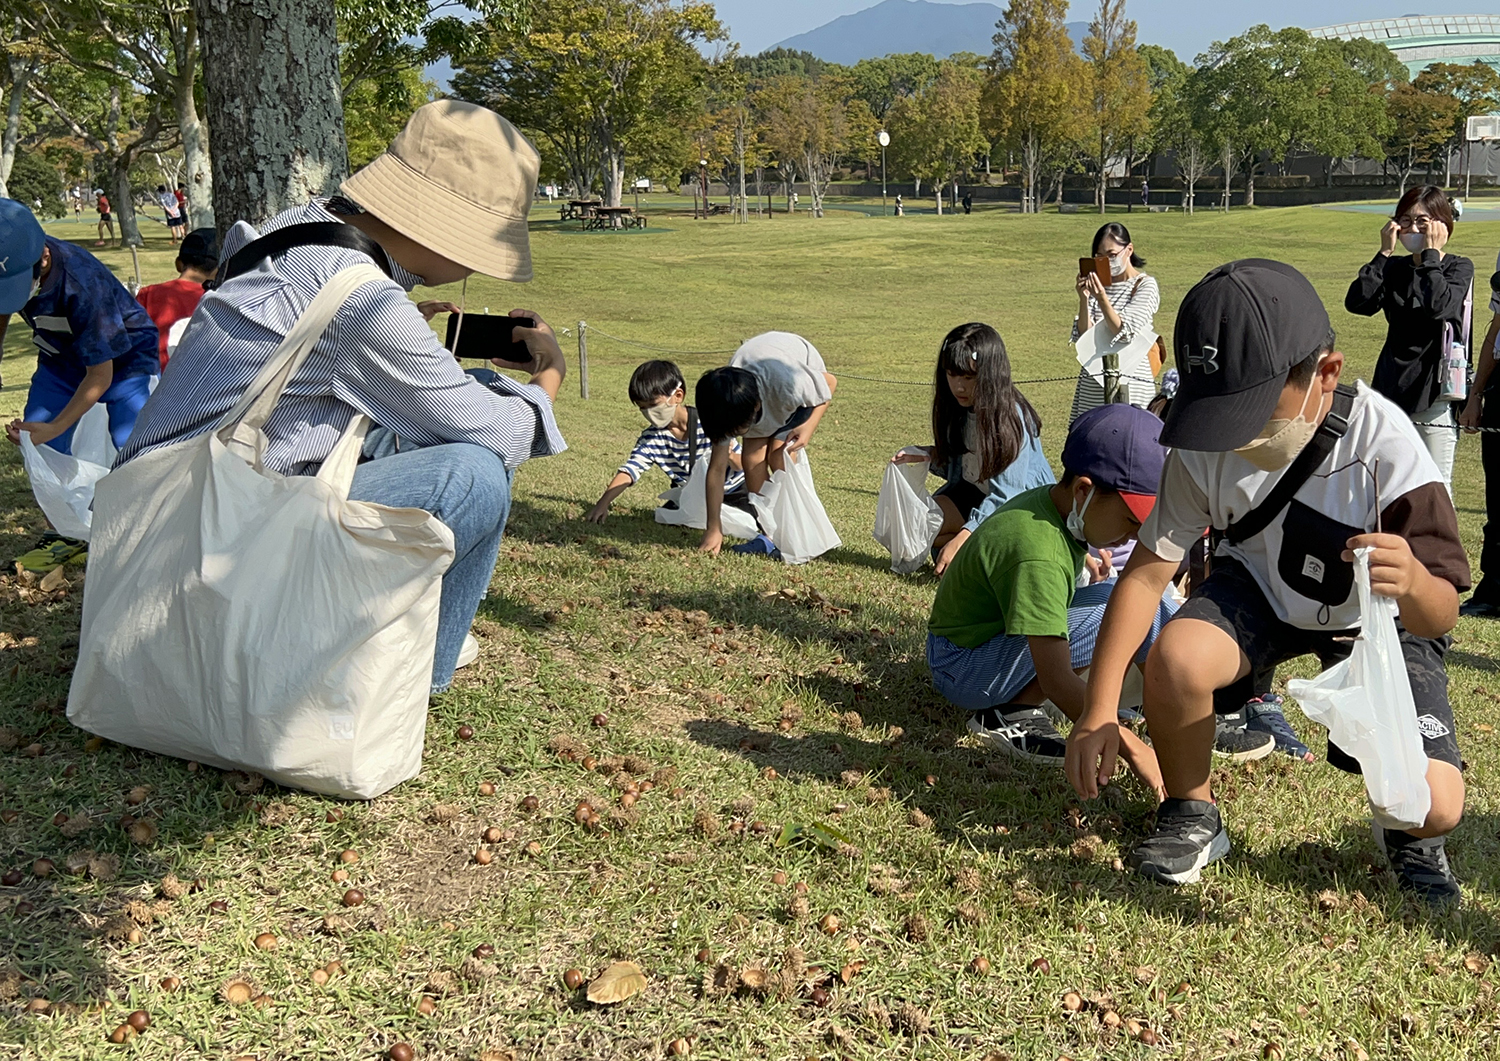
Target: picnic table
point(612, 217)
point(580, 208)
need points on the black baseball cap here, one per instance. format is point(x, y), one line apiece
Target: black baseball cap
point(1117, 447)
point(1239, 332)
point(201, 243)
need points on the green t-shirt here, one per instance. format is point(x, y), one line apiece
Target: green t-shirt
point(1015, 575)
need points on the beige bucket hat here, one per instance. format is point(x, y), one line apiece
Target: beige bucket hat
point(459, 180)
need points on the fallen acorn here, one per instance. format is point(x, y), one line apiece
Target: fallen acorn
point(1072, 1001)
point(170, 983)
point(266, 941)
point(704, 956)
point(401, 1052)
point(679, 1048)
point(319, 977)
point(339, 876)
point(236, 992)
point(778, 878)
point(980, 966)
point(600, 722)
point(486, 788)
point(484, 950)
point(465, 733)
point(348, 856)
point(140, 1020)
point(334, 968)
point(830, 924)
point(530, 804)
point(573, 978)
point(353, 897)
point(1111, 1019)
point(122, 1034)
point(1041, 966)
point(43, 867)
point(11, 878)
point(819, 997)
point(534, 849)
point(427, 1007)
point(38, 1006)
point(336, 814)
point(219, 906)
point(1146, 1036)
point(484, 856)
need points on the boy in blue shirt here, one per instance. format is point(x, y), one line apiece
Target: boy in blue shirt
point(94, 343)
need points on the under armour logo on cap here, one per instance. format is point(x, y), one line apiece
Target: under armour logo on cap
point(1207, 359)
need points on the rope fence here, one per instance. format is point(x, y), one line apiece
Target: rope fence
point(585, 329)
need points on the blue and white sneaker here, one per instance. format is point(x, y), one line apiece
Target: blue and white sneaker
point(759, 545)
point(1266, 714)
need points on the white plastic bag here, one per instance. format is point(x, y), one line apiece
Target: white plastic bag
point(907, 519)
point(793, 517)
point(250, 620)
point(692, 507)
point(63, 484)
point(1366, 703)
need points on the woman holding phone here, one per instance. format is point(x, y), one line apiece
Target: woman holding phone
point(1128, 304)
point(1422, 294)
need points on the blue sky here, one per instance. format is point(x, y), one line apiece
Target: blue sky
point(1186, 26)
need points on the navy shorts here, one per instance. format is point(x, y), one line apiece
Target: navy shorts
point(1231, 600)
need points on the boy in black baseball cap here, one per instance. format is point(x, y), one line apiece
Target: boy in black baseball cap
point(1294, 471)
point(1008, 631)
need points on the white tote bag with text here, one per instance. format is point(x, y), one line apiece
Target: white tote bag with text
point(251, 620)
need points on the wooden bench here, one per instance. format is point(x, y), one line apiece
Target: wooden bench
point(613, 217)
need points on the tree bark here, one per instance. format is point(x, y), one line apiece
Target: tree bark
point(198, 170)
point(275, 119)
point(20, 73)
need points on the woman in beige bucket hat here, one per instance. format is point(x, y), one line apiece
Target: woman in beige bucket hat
point(447, 199)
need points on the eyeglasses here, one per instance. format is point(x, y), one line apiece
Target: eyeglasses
point(1411, 220)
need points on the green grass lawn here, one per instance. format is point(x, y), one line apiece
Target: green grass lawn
point(754, 696)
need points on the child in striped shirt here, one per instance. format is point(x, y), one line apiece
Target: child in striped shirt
point(658, 390)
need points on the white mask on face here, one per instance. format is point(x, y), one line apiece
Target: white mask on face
point(1280, 441)
point(661, 415)
point(1413, 241)
point(1117, 263)
point(1075, 518)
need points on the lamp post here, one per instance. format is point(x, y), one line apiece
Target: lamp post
point(885, 141)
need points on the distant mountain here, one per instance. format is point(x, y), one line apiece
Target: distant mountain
point(908, 26)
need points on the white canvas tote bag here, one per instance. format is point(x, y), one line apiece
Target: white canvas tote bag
point(251, 620)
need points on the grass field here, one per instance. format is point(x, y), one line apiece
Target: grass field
point(754, 696)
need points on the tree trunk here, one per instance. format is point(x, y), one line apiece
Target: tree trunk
point(197, 166)
point(614, 178)
point(124, 202)
point(275, 116)
point(1250, 184)
point(938, 195)
point(20, 73)
point(1101, 181)
point(739, 149)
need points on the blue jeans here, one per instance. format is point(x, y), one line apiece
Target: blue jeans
point(468, 488)
point(50, 393)
point(997, 672)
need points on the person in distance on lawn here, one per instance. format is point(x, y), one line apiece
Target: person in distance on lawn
point(986, 436)
point(658, 390)
point(1009, 629)
point(1260, 384)
point(773, 392)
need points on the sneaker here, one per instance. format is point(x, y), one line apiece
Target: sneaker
point(1479, 609)
point(468, 653)
point(1025, 732)
point(759, 545)
point(1420, 866)
point(1235, 742)
point(51, 551)
point(1264, 714)
point(1189, 835)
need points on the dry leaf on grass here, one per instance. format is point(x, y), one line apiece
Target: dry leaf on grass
point(617, 983)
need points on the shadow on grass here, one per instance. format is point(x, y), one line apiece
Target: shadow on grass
point(1468, 659)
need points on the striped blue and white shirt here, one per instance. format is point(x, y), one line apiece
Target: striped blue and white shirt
point(658, 446)
point(378, 357)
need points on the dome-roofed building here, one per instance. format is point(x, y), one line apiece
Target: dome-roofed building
point(1420, 40)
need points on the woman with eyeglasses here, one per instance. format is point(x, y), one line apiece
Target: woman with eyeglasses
point(1128, 305)
point(1422, 294)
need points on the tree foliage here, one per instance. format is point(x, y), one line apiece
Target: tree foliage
point(1119, 99)
point(935, 131)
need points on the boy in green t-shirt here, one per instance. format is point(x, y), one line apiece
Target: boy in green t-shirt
point(1008, 631)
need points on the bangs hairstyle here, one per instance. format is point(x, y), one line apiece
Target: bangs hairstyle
point(728, 401)
point(1432, 199)
point(654, 379)
point(1121, 235)
point(1003, 416)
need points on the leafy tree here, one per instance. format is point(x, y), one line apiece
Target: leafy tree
point(806, 127)
point(1119, 89)
point(383, 42)
point(605, 84)
point(782, 62)
point(1475, 87)
point(23, 58)
point(1033, 103)
point(371, 122)
point(1421, 124)
point(881, 82)
point(936, 131)
point(1172, 115)
point(34, 179)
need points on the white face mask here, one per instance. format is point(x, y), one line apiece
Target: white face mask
point(1075, 517)
point(661, 415)
point(1413, 241)
point(1117, 263)
point(1280, 441)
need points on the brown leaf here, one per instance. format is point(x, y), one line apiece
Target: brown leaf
point(617, 983)
point(52, 579)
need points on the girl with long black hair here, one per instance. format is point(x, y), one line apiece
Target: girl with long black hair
point(986, 436)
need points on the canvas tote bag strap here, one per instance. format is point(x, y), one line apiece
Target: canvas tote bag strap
point(259, 400)
point(339, 467)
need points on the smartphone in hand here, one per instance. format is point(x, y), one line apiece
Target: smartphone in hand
point(483, 336)
point(1098, 266)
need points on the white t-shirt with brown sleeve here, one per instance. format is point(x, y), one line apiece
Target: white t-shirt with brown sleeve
point(1295, 561)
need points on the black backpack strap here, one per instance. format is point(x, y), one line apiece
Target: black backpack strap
point(312, 234)
point(1335, 425)
point(692, 437)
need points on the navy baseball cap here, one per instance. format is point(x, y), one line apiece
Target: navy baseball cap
point(200, 243)
point(1117, 446)
point(1239, 332)
point(21, 244)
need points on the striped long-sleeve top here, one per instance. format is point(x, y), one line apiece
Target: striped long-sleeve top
point(1136, 300)
point(378, 357)
point(658, 446)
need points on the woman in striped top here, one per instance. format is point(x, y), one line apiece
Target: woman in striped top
point(1128, 304)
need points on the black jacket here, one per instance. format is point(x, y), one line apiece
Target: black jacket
point(1418, 294)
